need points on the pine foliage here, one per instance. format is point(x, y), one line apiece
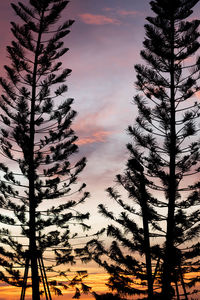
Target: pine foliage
point(163, 168)
point(38, 186)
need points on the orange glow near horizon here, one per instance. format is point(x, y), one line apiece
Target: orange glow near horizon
point(95, 281)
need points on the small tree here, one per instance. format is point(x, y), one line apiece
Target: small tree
point(129, 273)
point(166, 149)
point(37, 139)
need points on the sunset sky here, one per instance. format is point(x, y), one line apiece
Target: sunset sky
point(104, 44)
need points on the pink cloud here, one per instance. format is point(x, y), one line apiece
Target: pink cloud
point(89, 128)
point(98, 19)
point(130, 13)
point(108, 9)
point(197, 94)
point(95, 137)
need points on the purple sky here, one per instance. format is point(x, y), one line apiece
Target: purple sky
point(104, 44)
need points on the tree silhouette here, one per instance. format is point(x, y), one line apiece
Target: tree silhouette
point(107, 296)
point(165, 156)
point(131, 231)
point(170, 84)
point(38, 143)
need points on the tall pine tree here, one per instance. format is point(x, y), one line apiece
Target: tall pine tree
point(170, 82)
point(130, 257)
point(39, 185)
point(165, 150)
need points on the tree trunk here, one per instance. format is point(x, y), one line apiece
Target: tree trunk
point(32, 209)
point(32, 221)
point(168, 258)
point(148, 259)
point(145, 219)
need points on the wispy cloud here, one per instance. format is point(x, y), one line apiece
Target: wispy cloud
point(93, 19)
point(109, 9)
point(95, 137)
point(90, 128)
point(130, 13)
point(123, 12)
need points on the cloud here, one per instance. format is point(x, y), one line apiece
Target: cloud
point(98, 19)
point(109, 9)
point(123, 12)
point(95, 137)
point(197, 94)
point(91, 129)
point(130, 13)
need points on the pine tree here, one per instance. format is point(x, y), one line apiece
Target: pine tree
point(130, 274)
point(170, 84)
point(37, 139)
point(165, 151)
